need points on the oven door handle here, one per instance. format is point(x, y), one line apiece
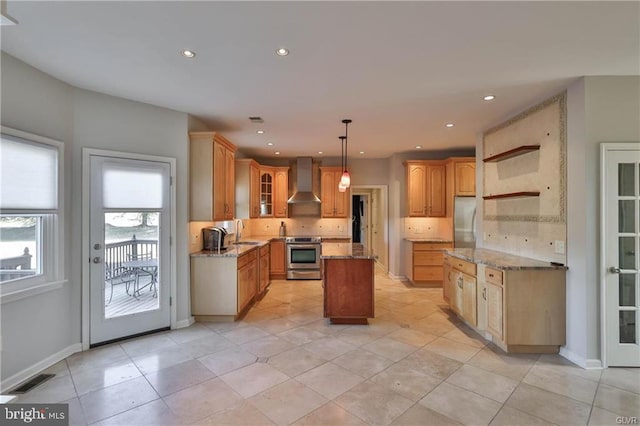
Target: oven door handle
point(303, 246)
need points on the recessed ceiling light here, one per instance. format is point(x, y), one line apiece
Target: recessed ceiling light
point(489, 98)
point(282, 51)
point(449, 124)
point(320, 152)
point(259, 132)
point(361, 152)
point(277, 152)
point(418, 146)
point(269, 143)
point(190, 54)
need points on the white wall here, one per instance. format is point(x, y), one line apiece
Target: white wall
point(37, 327)
point(601, 109)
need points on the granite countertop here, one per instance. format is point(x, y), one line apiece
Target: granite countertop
point(428, 240)
point(232, 250)
point(345, 251)
point(499, 260)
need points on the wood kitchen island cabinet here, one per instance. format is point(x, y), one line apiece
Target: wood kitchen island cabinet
point(348, 283)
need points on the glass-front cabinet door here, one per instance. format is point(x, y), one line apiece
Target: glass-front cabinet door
point(266, 193)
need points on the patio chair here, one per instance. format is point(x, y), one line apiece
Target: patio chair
point(119, 275)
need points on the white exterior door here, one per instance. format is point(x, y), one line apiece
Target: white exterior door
point(621, 252)
point(129, 221)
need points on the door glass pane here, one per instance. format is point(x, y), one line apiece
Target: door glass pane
point(626, 216)
point(626, 179)
point(627, 286)
point(627, 326)
point(131, 263)
point(627, 253)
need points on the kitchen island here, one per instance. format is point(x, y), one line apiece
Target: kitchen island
point(348, 283)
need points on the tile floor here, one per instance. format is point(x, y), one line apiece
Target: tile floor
point(415, 364)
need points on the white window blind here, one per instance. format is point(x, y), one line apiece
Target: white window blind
point(131, 187)
point(28, 175)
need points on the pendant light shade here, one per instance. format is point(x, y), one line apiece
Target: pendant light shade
point(341, 187)
point(345, 180)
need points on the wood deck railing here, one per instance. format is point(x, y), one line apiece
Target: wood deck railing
point(123, 251)
point(16, 267)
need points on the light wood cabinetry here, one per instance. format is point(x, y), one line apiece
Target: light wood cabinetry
point(465, 178)
point(426, 192)
point(335, 204)
point(278, 262)
point(348, 290)
point(523, 310)
point(212, 177)
point(427, 262)
point(223, 287)
point(281, 191)
point(266, 191)
point(265, 279)
point(248, 270)
point(462, 287)
point(247, 188)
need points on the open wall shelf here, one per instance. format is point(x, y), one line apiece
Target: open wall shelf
point(512, 153)
point(512, 195)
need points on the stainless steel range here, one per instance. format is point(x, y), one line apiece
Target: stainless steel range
point(303, 258)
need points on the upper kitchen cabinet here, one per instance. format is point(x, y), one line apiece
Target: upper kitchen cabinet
point(465, 177)
point(212, 177)
point(334, 203)
point(280, 191)
point(266, 191)
point(247, 188)
point(274, 191)
point(426, 188)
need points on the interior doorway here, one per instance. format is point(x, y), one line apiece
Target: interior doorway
point(370, 221)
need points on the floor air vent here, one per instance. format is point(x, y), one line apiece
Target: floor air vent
point(27, 386)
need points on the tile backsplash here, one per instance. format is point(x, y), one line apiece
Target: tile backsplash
point(299, 227)
point(428, 227)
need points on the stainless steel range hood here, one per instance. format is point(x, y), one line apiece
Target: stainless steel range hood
point(304, 183)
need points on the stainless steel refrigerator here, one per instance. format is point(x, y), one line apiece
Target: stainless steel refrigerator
point(464, 222)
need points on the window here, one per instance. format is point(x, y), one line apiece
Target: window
point(30, 196)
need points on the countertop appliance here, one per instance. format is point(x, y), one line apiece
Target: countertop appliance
point(303, 258)
point(213, 238)
point(464, 222)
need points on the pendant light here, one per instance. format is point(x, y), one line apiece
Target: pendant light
point(341, 186)
point(345, 180)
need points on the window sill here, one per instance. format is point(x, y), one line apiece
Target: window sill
point(12, 296)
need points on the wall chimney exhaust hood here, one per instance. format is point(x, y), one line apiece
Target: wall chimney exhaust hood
point(304, 183)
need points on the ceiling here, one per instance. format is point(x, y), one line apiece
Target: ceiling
point(399, 70)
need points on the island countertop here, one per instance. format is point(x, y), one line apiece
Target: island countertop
point(428, 240)
point(345, 251)
point(500, 260)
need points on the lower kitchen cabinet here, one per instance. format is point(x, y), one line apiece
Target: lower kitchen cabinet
point(348, 290)
point(462, 285)
point(223, 287)
point(264, 279)
point(247, 278)
point(278, 262)
point(426, 262)
point(521, 309)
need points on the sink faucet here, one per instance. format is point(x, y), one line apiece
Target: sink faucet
point(239, 228)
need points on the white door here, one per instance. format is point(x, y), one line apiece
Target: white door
point(129, 247)
point(620, 242)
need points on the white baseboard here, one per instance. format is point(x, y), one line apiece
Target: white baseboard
point(36, 368)
point(397, 277)
point(185, 323)
point(587, 364)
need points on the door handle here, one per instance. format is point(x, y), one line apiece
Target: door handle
point(614, 270)
point(484, 293)
point(96, 259)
